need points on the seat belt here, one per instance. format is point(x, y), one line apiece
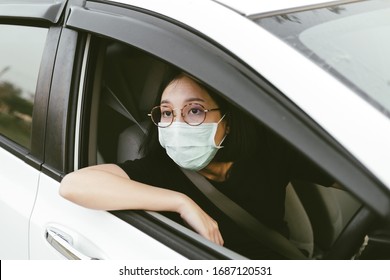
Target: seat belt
point(266, 236)
point(113, 101)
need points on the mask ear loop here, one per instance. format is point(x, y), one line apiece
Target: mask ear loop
point(223, 139)
point(221, 118)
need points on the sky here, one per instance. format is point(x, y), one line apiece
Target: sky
point(21, 50)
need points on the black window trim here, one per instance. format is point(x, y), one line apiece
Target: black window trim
point(42, 96)
point(193, 53)
point(59, 134)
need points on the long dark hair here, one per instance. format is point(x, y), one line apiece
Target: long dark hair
point(243, 138)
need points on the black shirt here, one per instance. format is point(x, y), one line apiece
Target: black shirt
point(258, 184)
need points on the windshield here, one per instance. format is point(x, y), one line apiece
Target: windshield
point(350, 41)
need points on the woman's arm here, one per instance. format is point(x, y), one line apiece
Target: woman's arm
point(107, 187)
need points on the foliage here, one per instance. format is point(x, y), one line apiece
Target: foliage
point(15, 114)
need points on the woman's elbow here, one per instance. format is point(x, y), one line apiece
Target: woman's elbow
point(68, 187)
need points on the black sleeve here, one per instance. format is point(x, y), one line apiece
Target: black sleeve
point(149, 170)
point(135, 169)
point(156, 170)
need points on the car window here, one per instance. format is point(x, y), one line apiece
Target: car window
point(21, 51)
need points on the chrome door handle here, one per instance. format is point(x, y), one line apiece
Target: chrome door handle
point(63, 244)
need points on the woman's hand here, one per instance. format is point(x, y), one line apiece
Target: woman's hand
point(200, 221)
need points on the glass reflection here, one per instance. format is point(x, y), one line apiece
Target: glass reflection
point(21, 51)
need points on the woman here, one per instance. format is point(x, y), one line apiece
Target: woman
point(198, 130)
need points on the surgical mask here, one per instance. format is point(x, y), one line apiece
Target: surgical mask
point(190, 147)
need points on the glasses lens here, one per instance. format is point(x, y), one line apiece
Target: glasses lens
point(194, 114)
point(162, 116)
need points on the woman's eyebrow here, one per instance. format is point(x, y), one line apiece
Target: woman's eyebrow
point(195, 99)
point(191, 99)
point(164, 102)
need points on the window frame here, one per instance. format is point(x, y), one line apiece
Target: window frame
point(61, 114)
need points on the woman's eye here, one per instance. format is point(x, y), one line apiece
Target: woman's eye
point(195, 111)
point(166, 114)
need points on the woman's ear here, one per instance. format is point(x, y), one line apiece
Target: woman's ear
point(228, 121)
point(227, 126)
point(227, 131)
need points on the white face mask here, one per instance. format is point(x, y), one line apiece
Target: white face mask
point(190, 147)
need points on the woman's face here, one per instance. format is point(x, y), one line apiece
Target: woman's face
point(183, 91)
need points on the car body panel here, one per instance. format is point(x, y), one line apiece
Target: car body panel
point(94, 233)
point(17, 197)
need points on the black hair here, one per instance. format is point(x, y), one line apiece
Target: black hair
point(244, 131)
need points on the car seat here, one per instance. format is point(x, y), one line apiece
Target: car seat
point(131, 81)
point(299, 225)
point(329, 211)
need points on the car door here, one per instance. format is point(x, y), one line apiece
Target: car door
point(26, 55)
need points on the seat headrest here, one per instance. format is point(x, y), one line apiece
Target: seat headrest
point(134, 77)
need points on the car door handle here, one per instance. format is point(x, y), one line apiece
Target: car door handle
point(63, 244)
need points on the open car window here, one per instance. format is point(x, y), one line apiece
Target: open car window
point(129, 83)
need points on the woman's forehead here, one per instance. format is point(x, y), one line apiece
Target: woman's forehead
point(184, 89)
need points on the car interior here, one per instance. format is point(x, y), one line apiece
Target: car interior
point(129, 85)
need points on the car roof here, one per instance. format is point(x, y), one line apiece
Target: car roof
point(244, 7)
point(255, 7)
point(266, 7)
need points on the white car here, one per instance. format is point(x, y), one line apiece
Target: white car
point(76, 75)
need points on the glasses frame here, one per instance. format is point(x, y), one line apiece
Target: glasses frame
point(181, 113)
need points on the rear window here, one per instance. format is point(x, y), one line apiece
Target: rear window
point(21, 51)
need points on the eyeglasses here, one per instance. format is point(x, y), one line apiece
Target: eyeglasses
point(193, 114)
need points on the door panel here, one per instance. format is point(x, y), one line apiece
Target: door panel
point(18, 187)
point(92, 233)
